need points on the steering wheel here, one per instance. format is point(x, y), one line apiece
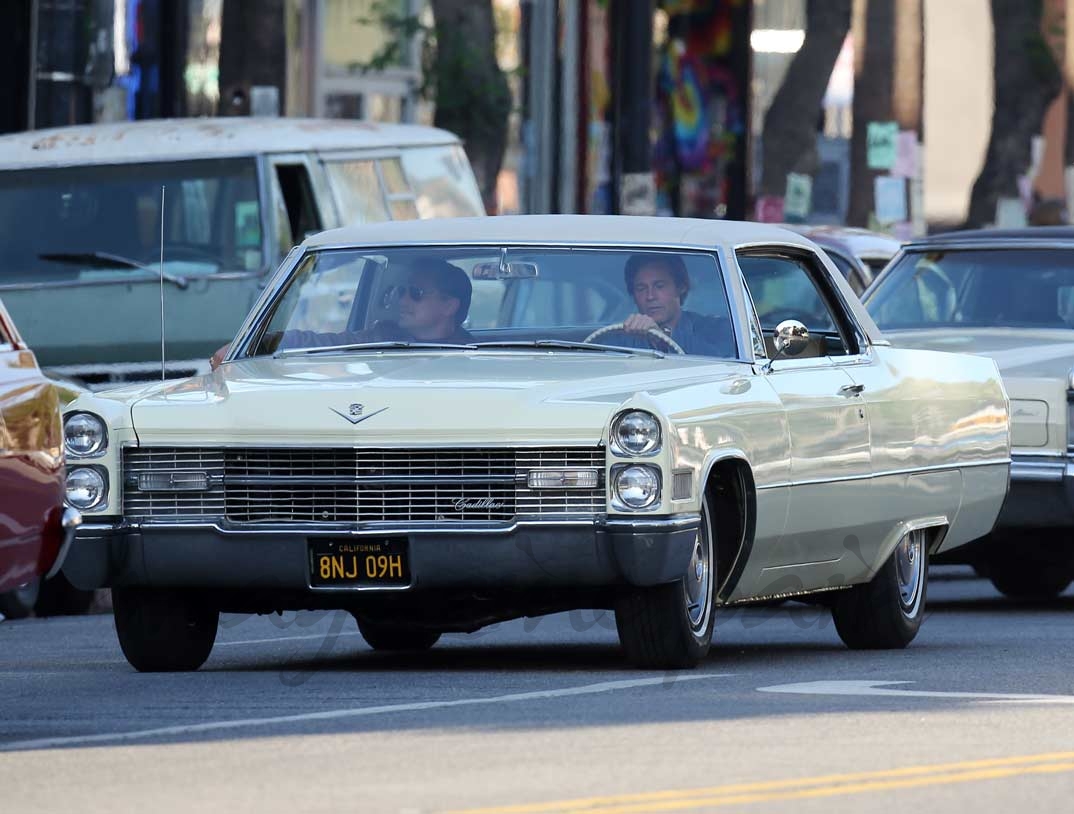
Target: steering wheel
point(619, 326)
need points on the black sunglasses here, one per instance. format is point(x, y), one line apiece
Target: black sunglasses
point(416, 293)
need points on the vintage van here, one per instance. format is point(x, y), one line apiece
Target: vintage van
point(87, 210)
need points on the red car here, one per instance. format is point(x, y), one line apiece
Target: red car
point(35, 528)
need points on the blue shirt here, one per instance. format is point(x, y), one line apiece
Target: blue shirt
point(694, 333)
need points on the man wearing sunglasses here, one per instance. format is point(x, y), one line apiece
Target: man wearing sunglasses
point(433, 304)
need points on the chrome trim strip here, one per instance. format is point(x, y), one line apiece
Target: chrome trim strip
point(71, 521)
point(889, 473)
point(369, 480)
point(679, 522)
point(143, 444)
point(343, 530)
point(1041, 471)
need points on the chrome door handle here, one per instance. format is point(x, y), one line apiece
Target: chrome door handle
point(849, 390)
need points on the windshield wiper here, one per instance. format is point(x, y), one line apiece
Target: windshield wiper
point(373, 346)
point(563, 344)
point(106, 260)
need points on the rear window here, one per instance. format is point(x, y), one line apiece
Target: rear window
point(85, 223)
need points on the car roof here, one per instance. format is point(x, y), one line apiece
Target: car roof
point(177, 139)
point(862, 243)
point(594, 230)
point(997, 238)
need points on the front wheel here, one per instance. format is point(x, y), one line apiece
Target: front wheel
point(394, 637)
point(887, 612)
point(670, 626)
point(18, 603)
point(164, 630)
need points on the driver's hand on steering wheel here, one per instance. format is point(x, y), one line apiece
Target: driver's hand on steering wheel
point(639, 324)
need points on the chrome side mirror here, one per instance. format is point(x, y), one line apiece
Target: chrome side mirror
point(791, 337)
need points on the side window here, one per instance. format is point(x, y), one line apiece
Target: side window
point(443, 182)
point(401, 201)
point(784, 288)
point(356, 186)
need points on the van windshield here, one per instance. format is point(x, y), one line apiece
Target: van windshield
point(80, 224)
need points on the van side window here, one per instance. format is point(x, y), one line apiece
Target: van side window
point(443, 183)
point(357, 190)
point(400, 196)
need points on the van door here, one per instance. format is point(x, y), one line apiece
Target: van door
point(296, 200)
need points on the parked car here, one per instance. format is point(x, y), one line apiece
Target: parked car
point(1007, 295)
point(36, 529)
point(534, 453)
point(858, 253)
point(83, 209)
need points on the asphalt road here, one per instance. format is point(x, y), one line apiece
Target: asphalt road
point(296, 714)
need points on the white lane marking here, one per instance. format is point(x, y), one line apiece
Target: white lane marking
point(326, 635)
point(880, 688)
point(357, 712)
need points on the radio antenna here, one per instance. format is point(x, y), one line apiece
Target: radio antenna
point(162, 365)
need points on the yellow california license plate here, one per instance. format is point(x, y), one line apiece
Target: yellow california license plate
point(359, 563)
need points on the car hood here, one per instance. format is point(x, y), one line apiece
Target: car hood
point(412, 397)
point(1035, 365)
point(1017, 351)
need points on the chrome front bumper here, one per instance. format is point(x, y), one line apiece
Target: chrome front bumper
point(526, 555)
point(1041, 493)
point(72, 519)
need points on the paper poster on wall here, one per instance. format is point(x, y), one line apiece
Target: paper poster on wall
point(881, 140)
point(769, 209)
point(890, 199)
point(907, 155)
point(799, 199)
point(1010, 213)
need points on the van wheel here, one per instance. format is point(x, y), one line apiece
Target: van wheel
point(670, 626)
point(164, 630)
point(391, 637)
point(887, 612)
point(18, 603)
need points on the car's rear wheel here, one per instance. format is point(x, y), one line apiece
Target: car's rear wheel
point(164, 630)
point(1037, 569)
point(1022, 580)
point(670, 626)
point(887, 612)
point(18, 603)
point(396, 637)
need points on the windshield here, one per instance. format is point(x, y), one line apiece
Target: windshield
point(1031, 288)
point(77, 224)
point(400, 298)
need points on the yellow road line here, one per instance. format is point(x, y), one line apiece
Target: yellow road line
point(801, 788)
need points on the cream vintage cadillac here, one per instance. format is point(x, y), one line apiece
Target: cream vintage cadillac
point(1007, 295)
point(515, 416)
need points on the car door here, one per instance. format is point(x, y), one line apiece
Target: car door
point(827, 421)
point(30, 460)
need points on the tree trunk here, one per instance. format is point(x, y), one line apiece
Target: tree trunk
point(790, 125)
point(473, 99)
point(252, 47)
point(1027, 79)
point(874, 59)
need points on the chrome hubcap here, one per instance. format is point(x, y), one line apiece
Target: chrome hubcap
point(909, 569)
point(697, 584)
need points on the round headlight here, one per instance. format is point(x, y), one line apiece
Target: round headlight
point(637, 432)
point(85, 488)
point(637, 486)
point(84, 434)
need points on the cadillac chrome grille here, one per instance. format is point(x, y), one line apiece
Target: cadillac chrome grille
point(342, 485)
